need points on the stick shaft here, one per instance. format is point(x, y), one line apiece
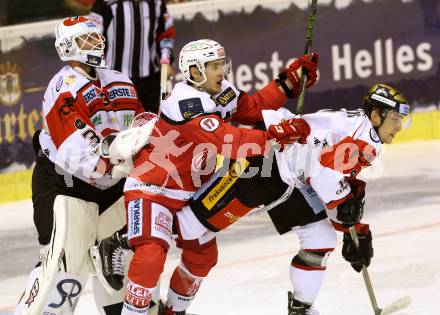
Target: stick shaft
point(163, 84)
point(307, 50)
point(366, 275)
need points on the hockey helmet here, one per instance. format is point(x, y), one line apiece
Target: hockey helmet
point(387, 98)
point(198, 53)
point(78, 38)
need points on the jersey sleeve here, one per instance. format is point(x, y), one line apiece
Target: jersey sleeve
point(97, 14)
point(337, 165)
point(74, 136)
point(249, 107)
point(230, 141)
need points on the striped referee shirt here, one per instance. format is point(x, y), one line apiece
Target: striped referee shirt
point(138, 34)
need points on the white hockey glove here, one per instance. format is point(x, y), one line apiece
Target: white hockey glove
point(125, 144)
point(121, 169)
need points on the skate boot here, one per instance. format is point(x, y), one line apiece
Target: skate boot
point(296, 307)
point(164, 310)
point(108, 258)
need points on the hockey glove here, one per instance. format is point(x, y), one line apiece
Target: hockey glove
point(307, 63)
point(351, 211)
point(289, 131)
point(361, 256)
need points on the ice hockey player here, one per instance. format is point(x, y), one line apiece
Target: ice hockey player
point(190, 132)
point(75, 190)
point(306, 180)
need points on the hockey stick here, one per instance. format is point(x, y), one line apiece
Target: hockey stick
point(307, 50)
point(163, 83)
point(393, 307)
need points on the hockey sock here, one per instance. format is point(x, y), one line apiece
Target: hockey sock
point(183, 288)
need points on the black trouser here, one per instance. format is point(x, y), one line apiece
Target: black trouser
point(148, 89)
point(47, 184)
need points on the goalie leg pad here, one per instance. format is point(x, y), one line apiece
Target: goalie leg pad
point(60, 282)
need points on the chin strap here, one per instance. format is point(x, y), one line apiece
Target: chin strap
point(87, 75)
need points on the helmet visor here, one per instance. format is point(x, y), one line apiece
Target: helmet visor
point(221, 65)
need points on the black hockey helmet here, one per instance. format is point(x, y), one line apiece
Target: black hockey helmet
point(386, 98)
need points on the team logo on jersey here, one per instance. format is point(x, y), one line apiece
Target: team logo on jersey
point(190, 107)
point(121, 91)
point(90, 94)
point(225, 97)
point(209, 124)
point(374, 136)
point(10, 86)
point(135, 218)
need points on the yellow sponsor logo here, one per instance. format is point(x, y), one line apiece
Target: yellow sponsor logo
point(237, 168)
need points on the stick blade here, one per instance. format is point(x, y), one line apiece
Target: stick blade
point(396, 306)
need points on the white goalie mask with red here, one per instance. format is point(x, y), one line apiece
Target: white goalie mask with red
point(198, 53)
point(78, 38)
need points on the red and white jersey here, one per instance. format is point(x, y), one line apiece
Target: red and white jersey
point(78, 113)
point(340, 144)
point(189, 134)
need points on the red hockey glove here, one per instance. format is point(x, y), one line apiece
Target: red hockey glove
point(289, 131)
point(308, 64)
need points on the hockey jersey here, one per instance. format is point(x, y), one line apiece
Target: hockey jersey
point(189, 134)
point(78, 113)
point(340, 144)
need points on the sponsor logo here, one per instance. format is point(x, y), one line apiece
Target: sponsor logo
point(59, 83)
point(344, 187)
point(190, 107)
point(94, 60)
point(135, 218)
point(90, 94)
point(137, 296)
point(70, 79)
point(97, 120)
point(225, 97)
point(79, 124)
point(33, 293)
point(68, 289)
point(374, 136)
point(128, 119)
point(121, 91)
point(163, 223)
point(209, 124)
point(237, 168)
point(232, 218)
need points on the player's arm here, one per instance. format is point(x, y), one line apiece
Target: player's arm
point(233, 142)
point(74, 137)
point(276, 93)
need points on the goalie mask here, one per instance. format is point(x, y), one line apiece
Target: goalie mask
point(388, 99)
point(78, 38)
point(198, 53)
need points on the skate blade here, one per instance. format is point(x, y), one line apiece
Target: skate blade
point(96, 261)
point(396, 306)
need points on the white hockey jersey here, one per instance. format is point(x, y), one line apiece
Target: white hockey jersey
point(78, 113)
point(340, 144)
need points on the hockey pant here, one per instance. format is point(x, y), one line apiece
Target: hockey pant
point(55, 285)
point(150, 233)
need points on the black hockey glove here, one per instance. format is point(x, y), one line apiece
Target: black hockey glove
point(351, 211)
point(361, 256)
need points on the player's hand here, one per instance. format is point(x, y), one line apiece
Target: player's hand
point(361, 256)
point(289, 131)
point(307, 63)
point(351, 211)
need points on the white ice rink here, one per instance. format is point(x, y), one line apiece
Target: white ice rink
point(403, 210)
